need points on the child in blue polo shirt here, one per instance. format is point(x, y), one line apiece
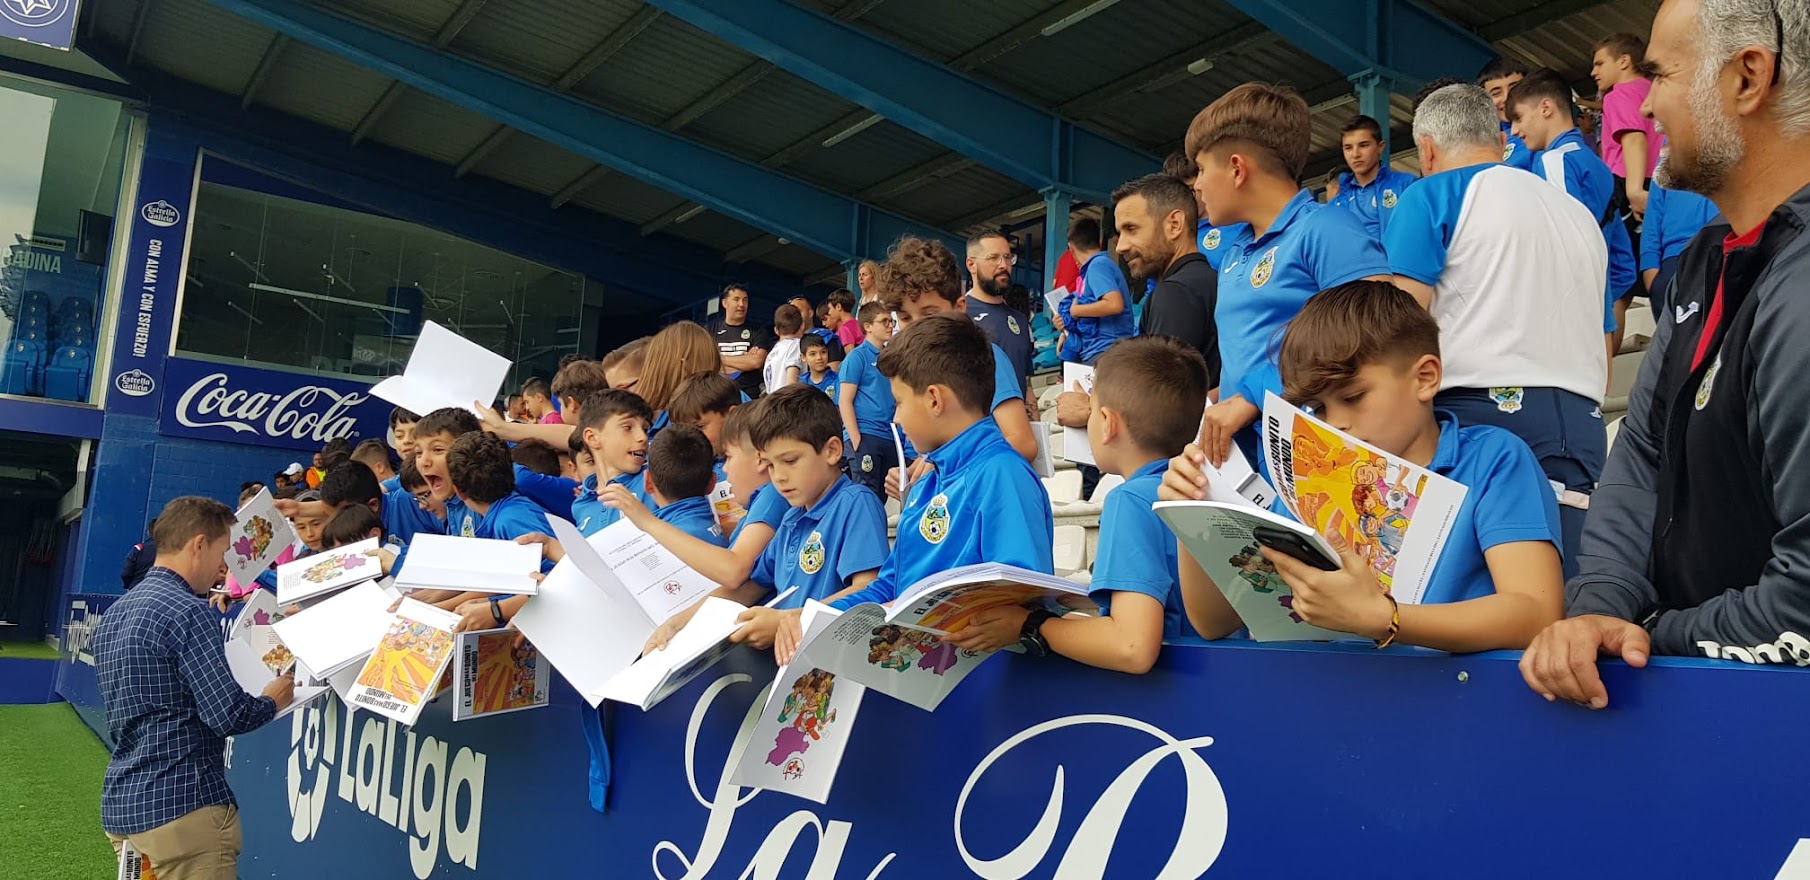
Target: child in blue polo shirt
point(704, 401)
point(402, 439)
point(1142, 413)
point(865, 400)
point(483, 477)
point(979, 502)
point(1251, 147)
point(1497, 79)
point(1365, 357)
point(680, 474)
point(817, 370)
point(1673, 218)
point(614, 427)
point(1370, 187)
point(1099, 313)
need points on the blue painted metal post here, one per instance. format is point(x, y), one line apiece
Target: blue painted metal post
point(1373, 90)
point(1056, 205)
point(853, 280)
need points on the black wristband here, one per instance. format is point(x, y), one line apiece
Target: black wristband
point(496, 610)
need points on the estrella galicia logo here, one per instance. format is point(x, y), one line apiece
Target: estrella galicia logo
point(36, 13)
point(135, 383)
point(158, 213)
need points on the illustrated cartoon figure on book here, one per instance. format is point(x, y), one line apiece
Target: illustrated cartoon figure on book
point(900, 648)
point(252, 544)
point(1366, 500)
point(806, 714)
point(1259, 572)
point(327, 569)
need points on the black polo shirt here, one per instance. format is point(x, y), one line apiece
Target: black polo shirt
point(737, 340)
point(1182, 306)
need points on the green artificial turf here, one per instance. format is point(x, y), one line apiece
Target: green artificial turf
point(27, 651)
point(50, 795)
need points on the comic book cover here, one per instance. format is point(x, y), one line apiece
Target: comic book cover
point(495, 675)
point(258, 537)
point(795, 744)
point(259, 610)
point(405, 669)
point(1222, 538)
point(901, 661)
point(1395, 514)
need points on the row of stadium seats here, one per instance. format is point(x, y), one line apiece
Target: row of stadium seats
point(49, 353)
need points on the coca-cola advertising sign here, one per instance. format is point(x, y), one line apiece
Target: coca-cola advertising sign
point(241, 404)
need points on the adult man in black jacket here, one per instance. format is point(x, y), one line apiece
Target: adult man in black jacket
point(1698, 538)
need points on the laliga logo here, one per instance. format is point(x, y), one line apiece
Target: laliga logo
point(281, 416)
point(389, 776)
point(159, 213)
point(135, 383)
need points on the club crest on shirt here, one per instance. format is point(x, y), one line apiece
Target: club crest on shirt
point(1708, 385)
point(934, 524)
point(467, 529)
point(1507, 151)
point(744, 334)
point(1260, 273)
point(810, 557)
point(867, 464)
point(1388, 198)
point(1507, 400)
point(1210, 241)
point(1012, 325)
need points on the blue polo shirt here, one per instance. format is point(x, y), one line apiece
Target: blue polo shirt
point(403, 518)
point(391, 484)
point(513, 516)
point(1569, 164)
point(1266, 280)
point(1509, 500)
point(831, 382)
point(874, 405)
point(1100, 276)
point(1214, 240)
point(590, 514)
point(695, 517)
point(553, 494)
point(1372, 204)
point(461, 521)
point(1137, 552)
point(1007, 384)
point(1673, 218)
point(766, 507)
point(982, 503)
point(1515, 154)
point(817, 549)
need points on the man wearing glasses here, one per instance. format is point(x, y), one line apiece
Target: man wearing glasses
point(990, 262)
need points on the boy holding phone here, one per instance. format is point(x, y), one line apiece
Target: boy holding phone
point(1365, 357)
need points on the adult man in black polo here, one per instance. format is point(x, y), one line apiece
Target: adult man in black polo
point(1698, 538)
point(990, 262)
point(743, 345)
point(1157, 219)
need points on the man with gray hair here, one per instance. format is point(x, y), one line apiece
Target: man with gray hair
point(1513, 271)
point(1699, 537)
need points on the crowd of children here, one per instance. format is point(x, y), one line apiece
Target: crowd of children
point(1368, 309)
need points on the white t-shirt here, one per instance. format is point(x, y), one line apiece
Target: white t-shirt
point(1517, 270)
point(785, 354)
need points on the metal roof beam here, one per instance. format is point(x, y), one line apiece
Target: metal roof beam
point(443, 37)
point(1028, 30)
point(1245, 37)
point(1398, 39)
point(831, 224)
point(754, 249)
point(272, 54)
point(1026, 142)
point(1522, 22)
point(138, 30)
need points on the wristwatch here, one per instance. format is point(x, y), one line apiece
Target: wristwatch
point(496, 610)
point(1030, 636)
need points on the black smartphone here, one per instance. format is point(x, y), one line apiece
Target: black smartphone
point(1294, 545)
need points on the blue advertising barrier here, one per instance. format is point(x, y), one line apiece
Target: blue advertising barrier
point(1248, 760)
point(75, 668)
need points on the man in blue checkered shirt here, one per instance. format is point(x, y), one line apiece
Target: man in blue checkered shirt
point(172, 702)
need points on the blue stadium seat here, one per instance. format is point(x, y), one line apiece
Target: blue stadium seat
point(22, 370)
point(67, 376)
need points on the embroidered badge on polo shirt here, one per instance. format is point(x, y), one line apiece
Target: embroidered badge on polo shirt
point(934, 524)
point(1708, 385)
point(1211, 241)
point(1260, 274)
point(1507, 400)
point(1388, 198)
point(1012, 324)
point(810, 557)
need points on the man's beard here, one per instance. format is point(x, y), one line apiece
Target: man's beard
point(1719, 145)
point(995, 287)
point(1148, 265)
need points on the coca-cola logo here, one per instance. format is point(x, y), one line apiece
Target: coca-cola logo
point(313, 413)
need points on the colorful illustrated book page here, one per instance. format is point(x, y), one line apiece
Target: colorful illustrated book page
point(494, 675)
point(259, 535)
point(795, 745)
point(406, 668)
point(1395, 514)
point(326, 572)
point(1221, 536)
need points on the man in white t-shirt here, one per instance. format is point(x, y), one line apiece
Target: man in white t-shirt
point(1513, 270)
point(785, 362)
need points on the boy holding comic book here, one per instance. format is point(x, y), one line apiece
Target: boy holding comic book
point(1364, 357)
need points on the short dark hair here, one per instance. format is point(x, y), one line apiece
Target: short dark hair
point(810, 341)
point(1164, 193)
point(567, 358)
point(452, 421)
point(1427, 90)
point(916, 266)
point(410, 475)
point(1085, 234)
point(350, 482)
point(479, 467)
point(1272, 118)
point(399, 416)
point(948, 350)
point(1361, 122)
point(184, 518)
point(1624, 43)
point(371, 452)
point(796, 412)
point(787, 320)
point(577, 379)
point(733, 286)
point(599, 407)
point(1160, 387)
point(871, 311)
point(536, 386)
point(1502, 67)
point(575, 443)
point(1541, 85)
point(536, 455)
point(843, 298)
point(1181, 166)
point(349, 526)
point(336, 451)
point(630, 352)
point(738, 425)
point(702, 394)
point(1341, 330)
point(680, 462)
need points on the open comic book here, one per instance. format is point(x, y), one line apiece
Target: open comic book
point(341, 630)
point(1395, 514)
point(495, 676)
point(405, 670)
point(894, 649)
point(256, 656)
point(1220, 535)
point(259, 535)
point(804, 724)
point(327, 571)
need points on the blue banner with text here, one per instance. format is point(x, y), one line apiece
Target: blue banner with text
point(236, 403)
point(147, 306)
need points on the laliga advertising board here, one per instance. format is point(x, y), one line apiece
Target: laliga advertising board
point(1225, 761)
point(240, 404)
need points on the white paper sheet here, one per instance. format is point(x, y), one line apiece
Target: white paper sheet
point(703, 641)
point(259, 609)
point(340, 630)
point(1045, 465)
point(445, 370)
point(448, 562)
point(249, 670)
point(1075, 445)
point(657, 581)
point(588, 634)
